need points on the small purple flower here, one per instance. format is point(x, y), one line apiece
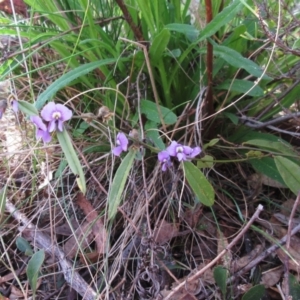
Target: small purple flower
point(56, 115)
point(41, 129)
point(15, 105)
point(182, 152)
point(121, 144)
point(164, 158)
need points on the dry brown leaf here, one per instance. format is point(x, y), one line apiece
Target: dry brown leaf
point(245, 260)
point(287, 207)
point(208, 275)
point(192, 215)
point(16, 293)
point(222, 244)
point(188, 296)
point(71, 247)
point(92, 217)
point(164, 232)
point(244, 287)
point(257, 179)
point(293, 263)
point(271, 277)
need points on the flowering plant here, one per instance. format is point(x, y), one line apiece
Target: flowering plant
point(181, 152)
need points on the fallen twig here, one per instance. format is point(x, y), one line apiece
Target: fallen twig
point(222, 253)
point(43, 241)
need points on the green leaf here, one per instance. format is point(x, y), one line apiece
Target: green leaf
point(279, 146)
point(241, 86)
point(3, 192)
point(220, 276)
point(211, 143)
point(24, 246)
point(189, 30)
point(118, 184)
point(158, 46)
point(267, 166)
point(206, 162)
point(235, 59)
point(149, 108)
point(255, 293)
point(290, 173)
point(221, 19)
point(33, 268)
point(233, 118)
point(27, 108)
point(67, 78)
point(72, 158)
point(199, 184)
point(294, 287)
point(153, 134)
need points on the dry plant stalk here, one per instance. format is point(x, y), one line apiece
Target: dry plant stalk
point(43, 241)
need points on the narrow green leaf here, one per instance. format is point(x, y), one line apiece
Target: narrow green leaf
point(199, 184)
point(153, 134)
point(255, 293)
point(67, 78)
point(33, 268)
point(118, 184)
point(220, 276)
point(235, 59)
point(188, 30)
point(290, 173)
point(158, 46)
point(149, 108)
point(279, 146)
point(241, 86)
point(294, 287)
point(72, 158)
point(233, 117)
point(2, 200)
point(24, 246)
point(211, 143)
point(267, 166)
point(206, 162)
point(27, 108)
point(221, 19)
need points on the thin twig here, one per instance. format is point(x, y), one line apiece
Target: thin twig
point(222, 253)
point(43, 242)
point(135, 29)
point(155, 93)
point(259, 258)
point(288, 240)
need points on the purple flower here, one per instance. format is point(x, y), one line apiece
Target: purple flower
point(121, 144)
point(56, 115)
point(15, 105)
point(164, 158)
point(41, 129)
point(182, 152)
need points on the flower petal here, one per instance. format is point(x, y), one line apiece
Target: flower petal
point(172, 148)
point(15, 105)
point(38, 122)
point(181, 156)
point(60, 125)
point(117, 150)
point(121, 137)
point(187, 150)
point(46, 137)
point(163, 155)
point(47, 111)
point(66, 113)
point(52, 126)
point(196, 151)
